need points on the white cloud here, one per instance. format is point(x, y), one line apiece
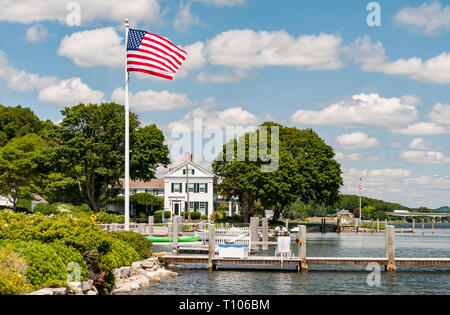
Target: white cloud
point(235, 116)
point(395, 145)
point(32, 11)
point(424, 157)
point(440, 114)
point(356, 141)
point(184, 19)
point(247, 48)
point(146, 101)
point(411, 100)
point(20, 80)
point(79, 47)
point(419, 144)
point(399, 185)
point(354, 157)
point(372, 58)
point(235, 76)
point(430, 18)
point(70, 92)
point(361, 110)
point(421, 129)
point(36, 33)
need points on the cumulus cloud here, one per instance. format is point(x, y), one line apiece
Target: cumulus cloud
point(184, 18)
point(366, 110)
point(20, 80)
point(235, 76)
point(430, 18)
point(372, 57)
point(247, 48)
point(146, 101)
point(32, 11)
point(357, 140)
point(424, 157)
point(440, 114)
point(36, 33)
point(419, 144)
point(399, 185)
point(421, 129)
point(79, 47)
point(70, 92)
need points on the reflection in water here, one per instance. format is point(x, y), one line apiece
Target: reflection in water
point(327, 279)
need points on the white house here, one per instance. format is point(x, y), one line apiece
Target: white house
point(201, 189)
point(4, 202)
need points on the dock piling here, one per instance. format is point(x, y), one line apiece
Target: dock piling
point(390, 247)
point(414, 225)
point(432, 226)
point(151, 221)
point(212, 246)
point(265, 230)
point(254, 223)
point(302, 248)
point(378, 225)
point(175, 227)
point(423, 227)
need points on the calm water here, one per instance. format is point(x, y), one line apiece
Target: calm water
point(328, 279)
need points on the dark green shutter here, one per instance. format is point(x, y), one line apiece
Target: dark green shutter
point(185, 206)
point(172, 187)
point(193, 172)
point(196, 206)
point(206, 208)
point(181, 187)
point(184, 171)
point(206, 187)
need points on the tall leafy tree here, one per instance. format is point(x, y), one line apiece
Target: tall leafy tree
point(306, 171)
point(20, 167)
point(17, 122)
point(91, 147)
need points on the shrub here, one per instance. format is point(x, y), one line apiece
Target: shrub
point(157, 214)
point(195, 215)
point(237, 218)
point(108, 218)
point(46, 209)
point(12, 273)
point(218, 216)
point(45, 267)
point(167, 214)
point(142, 245)
point(204, 217)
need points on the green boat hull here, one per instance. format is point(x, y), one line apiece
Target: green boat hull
point(166, 239)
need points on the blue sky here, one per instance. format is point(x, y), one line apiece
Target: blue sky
point(379, 95)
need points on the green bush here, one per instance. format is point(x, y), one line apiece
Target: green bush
point(13, 268)
point(142, 245)
point(195, 215)
point(236, 218)
point(101, 251)
point(108, 218)
point(157, 214)
point(45, 267)
point(204, 217)
point(46, 209)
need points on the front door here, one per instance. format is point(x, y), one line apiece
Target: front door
point(176, 208)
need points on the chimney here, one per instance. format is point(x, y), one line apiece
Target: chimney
point(187, 157)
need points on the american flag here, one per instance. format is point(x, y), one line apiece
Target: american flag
point(152, 54)
point(360, 184)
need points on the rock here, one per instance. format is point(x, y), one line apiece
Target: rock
point(87, 285)
point(60, 291)
point(134, 267)
point(125, 272)
point(164, 273)
point(148, 264)
point(75, 286)
point(91, 292)
point(45, 291)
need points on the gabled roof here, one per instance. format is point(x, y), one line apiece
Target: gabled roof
point(183, 164)
point(154, 183)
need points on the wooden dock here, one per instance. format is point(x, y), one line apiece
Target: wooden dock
point(295, 261)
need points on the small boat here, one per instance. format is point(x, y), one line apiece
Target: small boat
point(167, 239)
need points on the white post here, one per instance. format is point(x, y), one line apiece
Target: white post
point(127, 136)
point(230, 208)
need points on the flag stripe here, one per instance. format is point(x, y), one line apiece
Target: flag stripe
point(162, 51)
point(152, 54)
point(160, 44)
point(151, 61)
point(166, 41)
point(152, 73)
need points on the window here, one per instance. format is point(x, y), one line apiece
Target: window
point(202, 188)
point(184, 171)
point(176, 187)
point(191, 205)
point(193, 172)
point(155, 192)
point(202, 206)
point(191, 187)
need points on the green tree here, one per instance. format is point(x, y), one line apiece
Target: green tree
point(17, 122)
point(20, 167)
point(368, 212)
point(90, 147)
point(306, 170)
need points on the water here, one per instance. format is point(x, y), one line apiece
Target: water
point(328, 279)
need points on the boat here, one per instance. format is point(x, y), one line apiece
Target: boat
point(167, 239)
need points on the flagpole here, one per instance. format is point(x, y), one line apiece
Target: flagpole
point(360, 210)
point(127, 136)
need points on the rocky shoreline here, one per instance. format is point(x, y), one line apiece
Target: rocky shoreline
point(129, 278)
